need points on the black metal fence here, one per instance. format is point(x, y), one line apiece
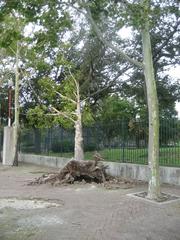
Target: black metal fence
point(1, 143)
point(115, 141)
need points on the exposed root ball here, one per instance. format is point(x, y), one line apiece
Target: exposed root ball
point(89, 171)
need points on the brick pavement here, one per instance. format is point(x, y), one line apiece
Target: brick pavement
point(86, 212)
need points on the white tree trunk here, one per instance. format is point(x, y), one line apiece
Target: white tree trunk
point(16, 120)
point(78, 148)
point(78, 143)
point(153, 111)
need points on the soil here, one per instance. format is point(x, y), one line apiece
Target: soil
point(162, 199)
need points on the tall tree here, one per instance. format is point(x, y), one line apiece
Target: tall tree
point(153, 109)
point(139, 15)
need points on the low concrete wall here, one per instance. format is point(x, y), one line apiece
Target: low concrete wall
point(44, 160)
point(169, 175)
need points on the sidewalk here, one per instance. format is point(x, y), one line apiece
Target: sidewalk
point(85, 212)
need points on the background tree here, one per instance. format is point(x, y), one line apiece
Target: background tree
point(10, 42)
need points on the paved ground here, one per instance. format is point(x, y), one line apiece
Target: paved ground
point(84, 212)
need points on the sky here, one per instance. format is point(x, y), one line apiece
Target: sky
point(174, 72)
point(178, 108)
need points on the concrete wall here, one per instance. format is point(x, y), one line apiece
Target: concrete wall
point(134, 171)
point(8, 146)
point(44, 160)
point(169, 175)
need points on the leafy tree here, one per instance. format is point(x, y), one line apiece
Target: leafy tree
point(11, 30)
point(113, 108)
point(65, 102)
point(114, 115)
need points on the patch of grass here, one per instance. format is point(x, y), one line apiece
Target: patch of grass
point(168, 156)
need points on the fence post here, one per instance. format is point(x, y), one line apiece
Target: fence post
point(61, 141)
point(0, 145)
point(123, 141)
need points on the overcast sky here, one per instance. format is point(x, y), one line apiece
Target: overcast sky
point(174, 72)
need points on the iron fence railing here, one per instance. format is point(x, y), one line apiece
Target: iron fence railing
point(1, 143)
point(116, 141)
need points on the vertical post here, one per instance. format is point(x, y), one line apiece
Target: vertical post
point(61, 141)
point(0, 145)
point(123, 143)
point(48, 141)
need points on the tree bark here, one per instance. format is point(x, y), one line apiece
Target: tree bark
point(153, 112)
point(78, 148)
point(16, 121)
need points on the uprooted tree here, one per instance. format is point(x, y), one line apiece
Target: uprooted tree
point(89, 171)
point(84, 172)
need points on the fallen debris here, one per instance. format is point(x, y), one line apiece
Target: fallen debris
point(83, 172)
point(89, 171)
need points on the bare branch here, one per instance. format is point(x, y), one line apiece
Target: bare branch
point(157, 54)
point(74, 79)
point(60, 113)
point(12, 50)
point(111, 83)
point(97, 92)
point(109, 44)
point(75, 94)
point(64, 97)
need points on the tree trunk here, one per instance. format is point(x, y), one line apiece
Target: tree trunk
point(16, 138)
point(153, 111)
point(78, 148)
point(153, 149)
point(16, 121)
